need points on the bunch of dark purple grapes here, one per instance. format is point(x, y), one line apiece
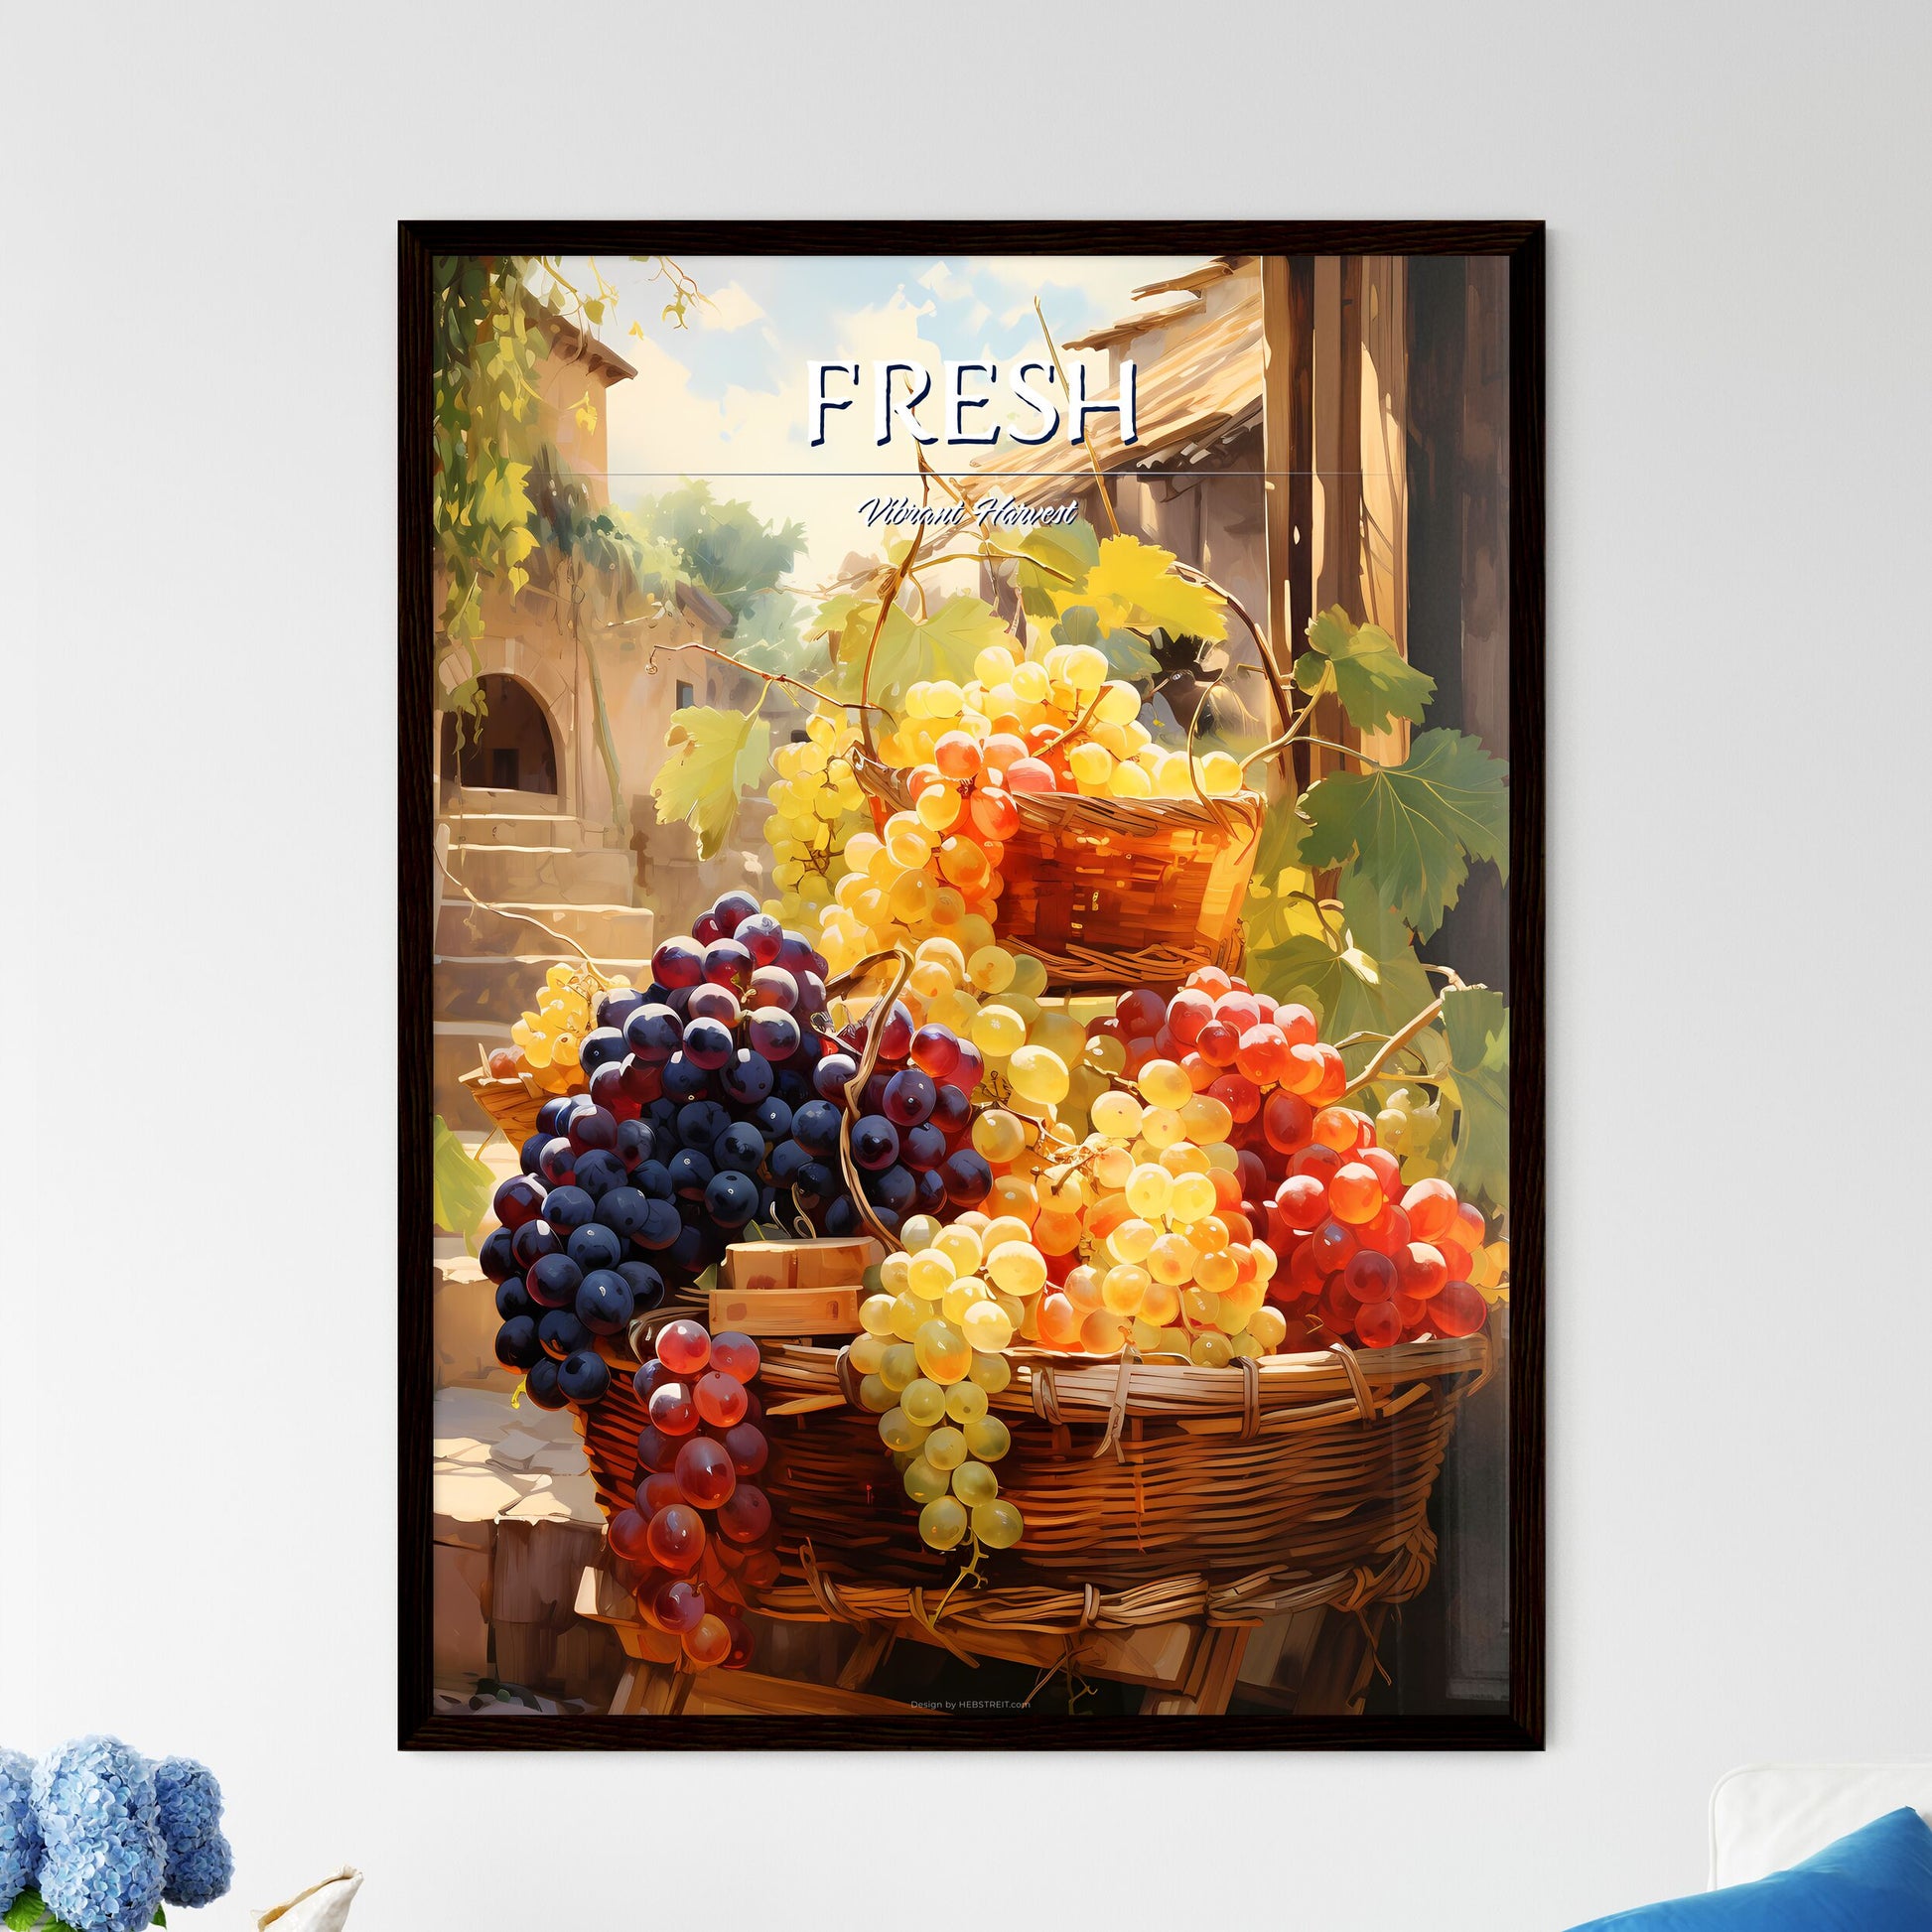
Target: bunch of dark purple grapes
point(580, 1251)
point(715, 1103)
point(911, 1142)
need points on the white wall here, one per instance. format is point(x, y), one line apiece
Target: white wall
point(197, 1397)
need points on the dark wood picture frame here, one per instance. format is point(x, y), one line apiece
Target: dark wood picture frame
point(1522, 244)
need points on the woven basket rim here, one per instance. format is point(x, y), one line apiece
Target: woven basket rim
point(1054, 810)
point(1084, 1388)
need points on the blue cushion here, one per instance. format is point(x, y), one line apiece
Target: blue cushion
point(1879, 1878)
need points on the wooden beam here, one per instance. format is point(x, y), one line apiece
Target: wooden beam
point(1288, 448)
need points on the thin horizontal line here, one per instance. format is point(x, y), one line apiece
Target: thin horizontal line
point(991, 477)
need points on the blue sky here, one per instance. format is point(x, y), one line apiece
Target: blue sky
point(726, 397)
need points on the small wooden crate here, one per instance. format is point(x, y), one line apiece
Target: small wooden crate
point(786, 1311)
point(792, 1288)
point(758, 1266)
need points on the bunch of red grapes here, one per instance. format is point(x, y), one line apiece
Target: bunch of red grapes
point(700, 1539)
point(1363, 1259)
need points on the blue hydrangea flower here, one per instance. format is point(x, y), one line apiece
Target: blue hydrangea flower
point(105, 1858)
point(200, 1864)
point(200, 1874)
point(20, 1830)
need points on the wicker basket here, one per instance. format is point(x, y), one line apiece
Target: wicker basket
point(1116, 892)
point(511, 1104)
point(1151, 1492)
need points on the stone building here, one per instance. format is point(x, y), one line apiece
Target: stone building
point(542, 816)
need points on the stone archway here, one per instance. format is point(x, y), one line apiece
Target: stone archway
point(512, 750)
point(544, 683)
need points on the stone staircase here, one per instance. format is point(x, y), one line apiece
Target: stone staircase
point(518, 852)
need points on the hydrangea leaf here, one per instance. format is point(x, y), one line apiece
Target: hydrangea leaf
point(462, 1185)
point(1375, 682)
point(1414, 828)
point(1476, 1022)
point(1126, 653)
point(1131, 584)
point(28, 1914)
point(715, 757)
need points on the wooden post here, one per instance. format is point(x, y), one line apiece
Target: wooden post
point(1288, 449)
point(1337, 462)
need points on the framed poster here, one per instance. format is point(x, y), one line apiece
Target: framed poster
point(971, 984)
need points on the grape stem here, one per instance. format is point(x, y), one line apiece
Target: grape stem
point(769, 678)
point(1078, 725)
point(1395, 1042)
point(502, 912)
point(1269, 669)
point(888, 597)
point(1093, 457)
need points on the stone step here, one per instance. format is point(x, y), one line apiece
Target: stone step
point(560, 875)
point(500, 989)
point(613, 931)
point(483, 799)
point(525, 828)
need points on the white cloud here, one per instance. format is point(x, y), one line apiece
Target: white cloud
point(947, 286)
point(751, 442)
point(729, 308)
point(1106, 281)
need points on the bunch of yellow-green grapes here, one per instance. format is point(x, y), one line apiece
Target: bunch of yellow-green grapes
point(547, 1041)
point(1410, 1125)
point(1141, 1224)
point(1050, 722)
point(930, 1357)
point(817, 806)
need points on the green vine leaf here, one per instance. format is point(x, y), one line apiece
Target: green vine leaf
point(1132, 584)
point(1271, 914)
point(1414, 828)
point(461, 1185)
point(715, 757)
point(941, 644)
point(1476, 1022)
point(1053, 562)
point(1375, 682)
point(1362, 969)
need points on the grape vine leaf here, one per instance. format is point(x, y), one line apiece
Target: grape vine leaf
point(1476, 1022)
point(1373, 679)
point(1126, 653)
point(715, 755)
point(1131, 585)
point(836, 611)
point(941, 644)
point(1053, 562)
point(1413, 828)
point(461, 1186)
point(1270, 915)
point(1361, 970)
